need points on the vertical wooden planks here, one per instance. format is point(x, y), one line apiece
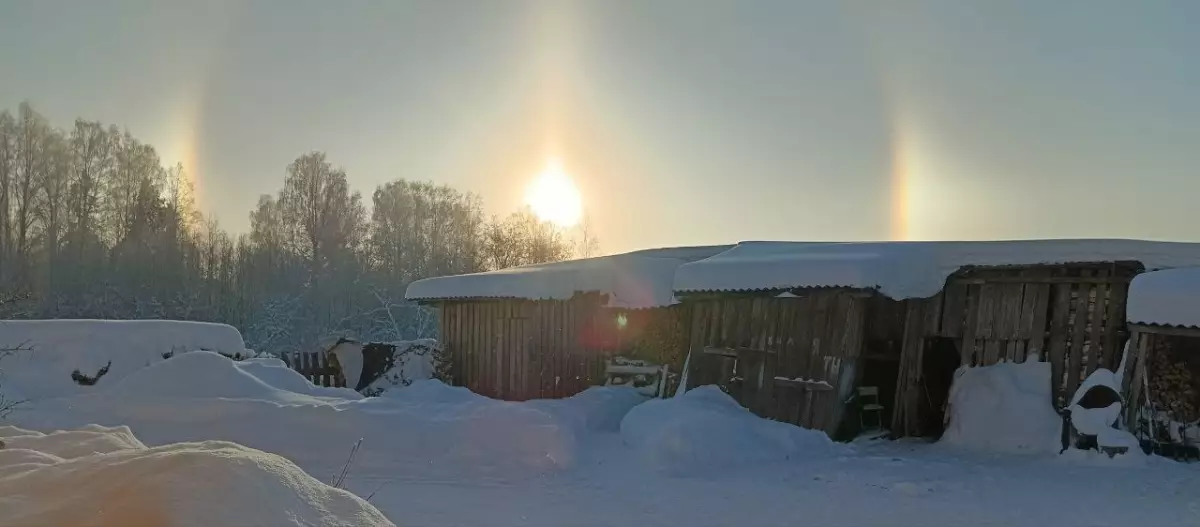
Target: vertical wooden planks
point(1059, 334)
point(1095, 353)
point(1136, 385)
point(1114, 321)
point(970, 327)
point(1039, 310)
point(954, 305)
point(1078, 336)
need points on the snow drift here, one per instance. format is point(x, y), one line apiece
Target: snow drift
point(203, 374)
point(596, 409)
point(427, 429)
point(55, 479)
point(1004, 408)
point(706, 430)
point(56, 348)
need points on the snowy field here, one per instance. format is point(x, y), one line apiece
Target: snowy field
point(433, 455)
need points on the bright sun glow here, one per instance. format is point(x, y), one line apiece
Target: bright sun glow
point(554, 197)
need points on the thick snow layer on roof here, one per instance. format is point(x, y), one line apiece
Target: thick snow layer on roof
point(634, 280)
point(904, 269)
point(1168, 298)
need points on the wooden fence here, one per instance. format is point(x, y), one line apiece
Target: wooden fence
point(315, 367)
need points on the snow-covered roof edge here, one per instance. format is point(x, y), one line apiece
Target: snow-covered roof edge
point(635, 280)
point(904, 269)
point(1165, 298)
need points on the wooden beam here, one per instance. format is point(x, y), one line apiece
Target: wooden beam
point(803, 384)
point(1173, 331)
point(733, 352)
point(1042, 280)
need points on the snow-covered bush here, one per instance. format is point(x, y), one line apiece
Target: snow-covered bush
point(413, 360)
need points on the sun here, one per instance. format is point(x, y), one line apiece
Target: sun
point(554, 197)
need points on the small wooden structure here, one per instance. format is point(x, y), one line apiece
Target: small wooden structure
point(1161, 376)
point(834, 333)
point(1162, 388)
point(793, 355)
point(1070, 315)
point(517, 349)
point(547, 331)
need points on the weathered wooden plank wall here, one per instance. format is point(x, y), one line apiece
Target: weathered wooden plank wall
point(522, 349)
point(818, 336)
point(1072, 316)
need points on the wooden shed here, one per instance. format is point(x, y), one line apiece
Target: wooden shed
point(797, 355)
point(1161, 375)
point(1071, 315)
point(802, 327)
point(546, 330)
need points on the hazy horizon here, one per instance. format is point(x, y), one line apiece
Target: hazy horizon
point(682, 123)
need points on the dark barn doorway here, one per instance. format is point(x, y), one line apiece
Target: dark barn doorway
point(941, 359)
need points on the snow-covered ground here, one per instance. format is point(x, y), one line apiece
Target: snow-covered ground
point(434, 455)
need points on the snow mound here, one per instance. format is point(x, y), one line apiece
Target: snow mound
point(69, 444)
point(1165, 298)
point(1004, 408)
point(57, 348)
point(905, 269)
point(706, 430)
point(276, 373)
point(428, 428)
point(182, 485)
point(433, 391)
point(597, 409)
point(203, 374)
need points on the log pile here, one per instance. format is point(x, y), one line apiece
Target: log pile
point(1173, 381)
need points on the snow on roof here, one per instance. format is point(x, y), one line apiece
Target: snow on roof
point(905, 269)
point(1165, 298)
point(635, 280)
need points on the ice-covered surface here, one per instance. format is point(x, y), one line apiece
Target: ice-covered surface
point(1004, 408)
point(705, 430)
point(904, 269)
point(56, 348)
point(84, 478)
point(640, 279)
point(1169, 298)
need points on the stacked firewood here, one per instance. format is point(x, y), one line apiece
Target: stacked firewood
point(1173, 384)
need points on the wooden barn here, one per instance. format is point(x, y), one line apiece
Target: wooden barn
point(1161, 381)
point(844, 337)
point(542, 331)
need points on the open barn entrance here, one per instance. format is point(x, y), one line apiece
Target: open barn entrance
point(940, 361)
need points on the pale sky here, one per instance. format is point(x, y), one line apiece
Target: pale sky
point(682, 122)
